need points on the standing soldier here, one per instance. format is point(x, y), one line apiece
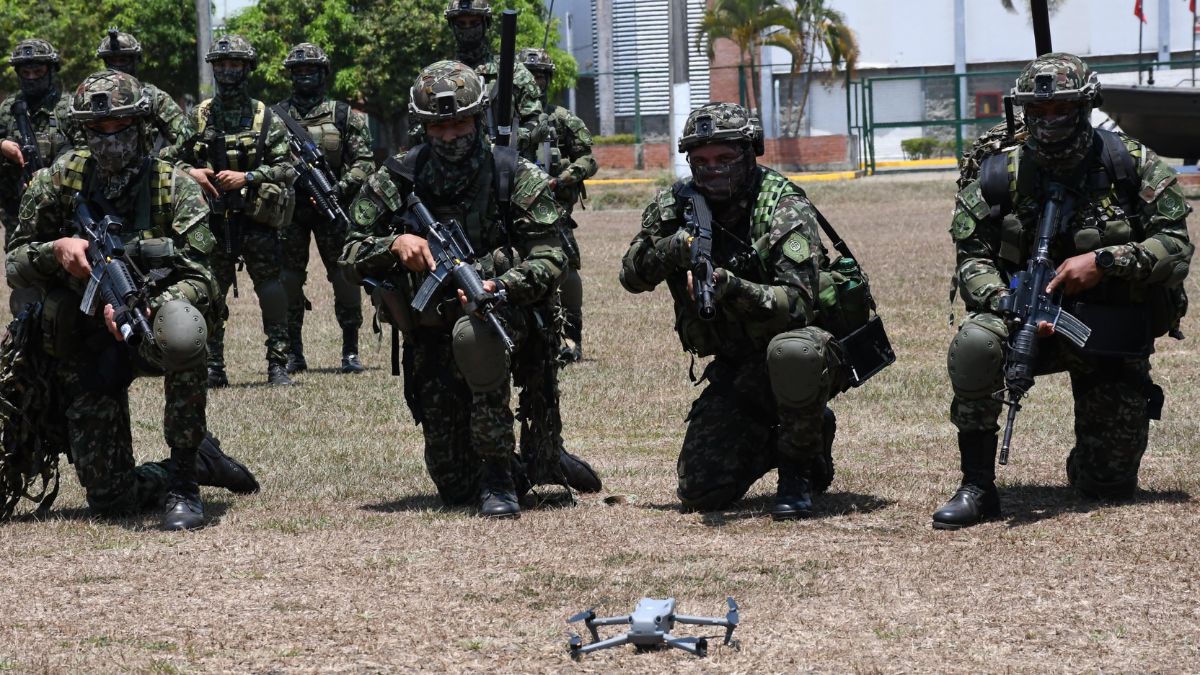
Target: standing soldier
point(239, 155)
point(37, 106)
point(169, 124)
point(161, 221)
point(566, 155)
point(457, 370)
point(471, 20)
point(1122, 253)
point(341, 136)
point(767, 320)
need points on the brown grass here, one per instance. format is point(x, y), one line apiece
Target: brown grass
point(345, 562)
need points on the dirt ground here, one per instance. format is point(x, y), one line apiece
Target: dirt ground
point(346, 562)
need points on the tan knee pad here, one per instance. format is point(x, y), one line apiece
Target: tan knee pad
point(798, 368)
point(480, 355)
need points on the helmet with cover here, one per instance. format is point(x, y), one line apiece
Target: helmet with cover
point(536, 60)
point(116, 43)
point(1057, 92)
point(308, 66)
point(100, 103)
point(232, 46)
point(721, 123)
point(447, 90)
point(35, 82)
point(34, 50)
point(455, 8)
point(306, 54)
point(722, 141)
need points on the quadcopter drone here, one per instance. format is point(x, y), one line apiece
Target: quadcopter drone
point(650, 628)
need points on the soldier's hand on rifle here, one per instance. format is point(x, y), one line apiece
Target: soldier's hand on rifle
point(110, 320)
point(413, 252)
point(202, 177)
point(1076, 274)
point(676, 248)
point(71, 253)
point(489, 286)
point(12, 152)
point(720, 277)
point(230, 180)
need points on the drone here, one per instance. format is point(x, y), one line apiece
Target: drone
point(650, 628)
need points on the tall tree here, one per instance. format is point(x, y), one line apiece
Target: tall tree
point(814, 29)
point(744, 22)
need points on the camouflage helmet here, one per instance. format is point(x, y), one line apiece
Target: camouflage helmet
point(721, 123)
point(232, 47)
point(463, 7)
point(306, 54)
point(447, 90)
point(116, 43)
point(109, 94)
point(1057, 76)
point(536, 60)
point(33, 51)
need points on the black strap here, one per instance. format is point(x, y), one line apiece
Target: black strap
point(827, 227)
point(1121, 167)
point(341, 113)
point(993, 183)
point(504, 158)
point(261, 143)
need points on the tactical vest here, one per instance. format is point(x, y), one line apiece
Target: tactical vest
point(327, 131)
point(245, 148)
point(51, 140)
point(154, 211)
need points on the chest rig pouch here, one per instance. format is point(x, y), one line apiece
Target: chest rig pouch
point(267, 204)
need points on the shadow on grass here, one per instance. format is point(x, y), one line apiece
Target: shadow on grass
point(540, 500)
point(1027, 504)
point(827, 505)
point(145, 521)
point(429, 502)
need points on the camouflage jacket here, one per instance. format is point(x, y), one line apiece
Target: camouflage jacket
point(237, 124)
point(378, 216)
point(168, 123)
point(174, 209)
point(49, 122)
point(350, 157)
point(772, 257)
point(1150, 245)
point(572, 162)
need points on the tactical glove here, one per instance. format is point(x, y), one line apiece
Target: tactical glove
point(675, 250)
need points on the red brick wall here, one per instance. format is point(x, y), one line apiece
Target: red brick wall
point(723, 72)
point(808, 152)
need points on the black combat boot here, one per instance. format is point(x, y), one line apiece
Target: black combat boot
point(793, 499)
point(350, 362)
point(977, 499)
point(277, 375)
point(217, 377)
point(498, 496)
point(579, 474)
point(296, 362)
point(214, 468)
point(182, 509)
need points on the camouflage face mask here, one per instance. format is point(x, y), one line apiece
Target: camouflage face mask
point(1060, 142)
point(230, 80)
point(116, 151)
point(308, 84)
point(457, 150)
point(37, 87)
point(722, 182)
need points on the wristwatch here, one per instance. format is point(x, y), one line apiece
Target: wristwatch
point(1105, 259)
point(250, 177)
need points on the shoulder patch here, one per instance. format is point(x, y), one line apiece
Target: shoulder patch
point(665, 199)
point(971, 199)
point(796, 247)
point(962, 226)
point(364, 211)
point(1171, 204)
point(201, 239)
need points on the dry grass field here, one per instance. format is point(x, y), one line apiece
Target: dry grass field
point(346, 562)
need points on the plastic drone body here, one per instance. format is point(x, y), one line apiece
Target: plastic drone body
point(650, 627)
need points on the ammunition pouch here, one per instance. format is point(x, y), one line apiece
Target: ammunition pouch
point(392, 306)
point(698, 336)
point(61, 323)
point(271, 205)
point(1167, 307)
point(156, 253)
point(1118, 330)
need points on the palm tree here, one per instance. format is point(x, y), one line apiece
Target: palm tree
point(814, 27)
point(744, 22)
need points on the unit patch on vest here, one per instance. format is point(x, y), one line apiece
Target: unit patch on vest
point(796, 247)
point(365, 211)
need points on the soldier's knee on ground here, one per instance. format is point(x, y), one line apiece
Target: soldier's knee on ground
point(480, 355)
point(975, 359)
point(1086, 472)
point(181, 334)
point(707, 497)
point(273, 300)
point(798, 366)
point(572, 289)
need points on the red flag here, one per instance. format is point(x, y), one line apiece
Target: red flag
point(1192, 6)
point(1137, 10)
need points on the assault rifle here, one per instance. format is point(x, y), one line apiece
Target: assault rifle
point(112, 280)
point(231, 205)
point(29, 144)
point(314, 177)
point(1029, 305)
point(698, 219)
point(454, 257)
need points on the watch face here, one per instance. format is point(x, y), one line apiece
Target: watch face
point(1104, 259)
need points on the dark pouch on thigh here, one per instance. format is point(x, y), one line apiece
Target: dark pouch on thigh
point(109, 371)
point(1117, 330)
point(867, 351)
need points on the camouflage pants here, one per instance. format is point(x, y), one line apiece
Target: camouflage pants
point(95, 396)
point(1113, 401)
point(738, 429)
point(347, 299)
point(461, 427)
point(261, 252)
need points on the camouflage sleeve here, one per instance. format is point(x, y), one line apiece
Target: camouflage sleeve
point(651, 256)
point(276, 166)
point(789, 299)
point(182, 154)
point(72, 130)
point(535, 219)
point(358, 161)
point(535, 127)
point(29, 250)
point(367, 250)
point(169, 118)
point(1164, 255)
point(579, 150)
point(192, 278)
point(976, 238)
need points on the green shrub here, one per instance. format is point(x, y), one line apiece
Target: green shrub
point(615, 139)
point(921, 147)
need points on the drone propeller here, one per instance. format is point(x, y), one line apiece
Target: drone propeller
point(585, 615)
point(732, 619)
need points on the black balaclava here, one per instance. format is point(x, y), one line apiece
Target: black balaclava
point(308, 90)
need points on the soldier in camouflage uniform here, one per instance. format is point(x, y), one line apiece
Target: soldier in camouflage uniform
point(566, 155)
point(470, 20)
point(456, 370)
point(1124, 254)
point(164, 228)
point(169, 124)
point(251, 185)
point(36, 64)
point(775, 367)
point(342, 135)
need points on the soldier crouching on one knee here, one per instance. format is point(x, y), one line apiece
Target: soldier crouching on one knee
point(1122, 253)
point(774, 367)
point(457, 371)
point(162, 224)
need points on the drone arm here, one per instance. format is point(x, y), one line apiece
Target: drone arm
point(610, 621)
point(701, 620)
point(603, 644)
point(691, 645)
